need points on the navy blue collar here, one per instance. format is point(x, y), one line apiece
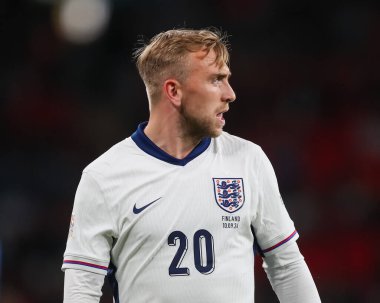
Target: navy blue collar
point(152, 149)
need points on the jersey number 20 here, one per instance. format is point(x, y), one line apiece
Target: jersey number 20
point(203, 241)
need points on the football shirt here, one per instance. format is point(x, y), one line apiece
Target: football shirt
point(170, 230)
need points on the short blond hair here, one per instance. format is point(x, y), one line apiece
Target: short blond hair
point(164, 55)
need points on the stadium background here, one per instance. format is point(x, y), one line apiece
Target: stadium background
point(306, 74)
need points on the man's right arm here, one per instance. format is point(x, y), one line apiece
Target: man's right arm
point(90, 239)
point(82, 286)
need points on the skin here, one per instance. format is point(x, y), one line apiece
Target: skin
point(189, 110)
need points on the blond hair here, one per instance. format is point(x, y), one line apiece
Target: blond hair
point(164, 56)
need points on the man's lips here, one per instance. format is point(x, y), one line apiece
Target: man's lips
point(220, 114)
point(220, 117)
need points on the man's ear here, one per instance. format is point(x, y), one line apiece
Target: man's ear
point(173, 92)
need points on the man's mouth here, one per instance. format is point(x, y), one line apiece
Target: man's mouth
point(220, 116)
point(221, 113)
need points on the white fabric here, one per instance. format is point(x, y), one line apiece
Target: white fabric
point(185, 219)
point(82, 286)
point(290, 277)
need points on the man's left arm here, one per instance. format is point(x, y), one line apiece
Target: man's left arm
point(290, 276)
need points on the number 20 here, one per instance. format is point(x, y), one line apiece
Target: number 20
point(204, 267)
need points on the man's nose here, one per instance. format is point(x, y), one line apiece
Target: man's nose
point(229, 94)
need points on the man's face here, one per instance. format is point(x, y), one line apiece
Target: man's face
point(206, 94)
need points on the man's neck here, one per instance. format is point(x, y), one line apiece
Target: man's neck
point(168, 136)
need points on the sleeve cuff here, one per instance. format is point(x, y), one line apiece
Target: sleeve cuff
point(271, 247)
point(85, 264)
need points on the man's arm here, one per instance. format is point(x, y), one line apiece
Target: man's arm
point(82, 286)
point(290, 277)
point(89, 243)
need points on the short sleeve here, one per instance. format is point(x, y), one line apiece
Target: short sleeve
point(271, 223)
point(91, 229)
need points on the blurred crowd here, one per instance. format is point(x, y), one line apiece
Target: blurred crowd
point(307, 78)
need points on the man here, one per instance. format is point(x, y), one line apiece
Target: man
point(172, 212)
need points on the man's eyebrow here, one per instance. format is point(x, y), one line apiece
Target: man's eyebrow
point(223, 75)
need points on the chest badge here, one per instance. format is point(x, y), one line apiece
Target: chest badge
point(229, 193)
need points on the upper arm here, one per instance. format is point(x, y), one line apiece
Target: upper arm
point(272, 225)
point(91, 229)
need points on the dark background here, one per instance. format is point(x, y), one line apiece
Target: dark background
point(306, 75)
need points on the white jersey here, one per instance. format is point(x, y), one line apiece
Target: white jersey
point(171, 230)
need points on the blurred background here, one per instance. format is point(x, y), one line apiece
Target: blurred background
point(306, 74)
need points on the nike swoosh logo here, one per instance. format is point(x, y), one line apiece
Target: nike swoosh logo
point(139, 210)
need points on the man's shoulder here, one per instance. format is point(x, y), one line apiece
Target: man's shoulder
point(114, 157)
point(235, 143)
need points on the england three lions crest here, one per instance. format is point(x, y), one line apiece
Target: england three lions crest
point(229, 193)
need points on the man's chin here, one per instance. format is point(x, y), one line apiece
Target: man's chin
point(201, 128)
point(216, 133)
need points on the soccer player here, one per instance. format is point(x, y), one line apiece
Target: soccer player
point(172, 212)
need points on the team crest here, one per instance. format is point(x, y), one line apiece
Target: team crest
point(229, 193)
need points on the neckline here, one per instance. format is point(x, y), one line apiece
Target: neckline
point(147, 145)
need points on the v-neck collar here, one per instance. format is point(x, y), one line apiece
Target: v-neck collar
point(147, 145)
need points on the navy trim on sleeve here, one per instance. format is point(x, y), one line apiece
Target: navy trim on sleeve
point(281, 242)
point(144, 143)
